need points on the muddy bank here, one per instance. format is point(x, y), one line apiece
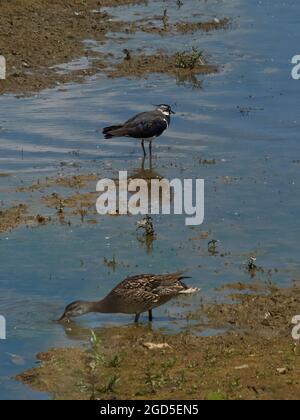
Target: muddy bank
point(76, 204)
point(11, 218)
point(59, 200)
point(72, 182)
point(209, 26)
point(19, 215)
point(66, 199)
point(161, 25)
point(257, 359)
point(40, 35)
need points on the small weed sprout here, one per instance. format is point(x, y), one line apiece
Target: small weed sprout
point(115, 361)
point(110, 386)
point(95, 353)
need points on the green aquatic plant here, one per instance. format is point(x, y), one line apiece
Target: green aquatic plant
point(216, 396)
point(189, 60)
point(112, 264)
point(110, 385)
point(96, 355)
point(115, 361)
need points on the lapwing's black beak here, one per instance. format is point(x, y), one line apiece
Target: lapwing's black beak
point(172, 112)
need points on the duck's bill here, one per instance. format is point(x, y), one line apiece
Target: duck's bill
point(63, 318)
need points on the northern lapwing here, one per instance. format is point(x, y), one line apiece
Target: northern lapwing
point(146, 126)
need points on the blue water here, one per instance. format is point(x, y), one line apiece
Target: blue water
point(252, 192)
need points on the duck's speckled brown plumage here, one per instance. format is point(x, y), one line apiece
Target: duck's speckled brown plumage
point(134, 295)
point(141, 293)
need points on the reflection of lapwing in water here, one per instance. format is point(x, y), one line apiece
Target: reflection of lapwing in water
point(134, 295)
point(146, 126)
point(146, 173)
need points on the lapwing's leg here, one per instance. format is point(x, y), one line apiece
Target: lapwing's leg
point(136, 319)
point(143, 163)
point(150, 149)
point(143, 146)
point(150, 315)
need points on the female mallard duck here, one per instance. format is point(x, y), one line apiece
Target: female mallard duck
point(134, 295)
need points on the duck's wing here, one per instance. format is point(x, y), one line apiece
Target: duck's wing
point(143, 292)
point(169, 284)
point(153, 283)
point(135, 282)
point(133, 294)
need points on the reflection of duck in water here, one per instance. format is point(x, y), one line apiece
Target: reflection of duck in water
point(78, 332)
point(134, 295)
point(146, 126)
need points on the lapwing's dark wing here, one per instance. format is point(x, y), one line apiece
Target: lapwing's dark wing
point(116, 130)
point(144, 116)
point(144, 127)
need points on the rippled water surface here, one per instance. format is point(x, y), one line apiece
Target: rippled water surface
point(246, 118)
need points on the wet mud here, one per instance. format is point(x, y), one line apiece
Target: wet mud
point(40, 36)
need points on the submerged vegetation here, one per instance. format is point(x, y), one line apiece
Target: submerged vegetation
point(212, 25)
point(11, 218)
point(185, 66)
point(189, 60)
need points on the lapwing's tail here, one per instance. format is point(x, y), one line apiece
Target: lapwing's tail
point(110, 132)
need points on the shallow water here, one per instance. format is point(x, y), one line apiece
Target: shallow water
point(252, 192)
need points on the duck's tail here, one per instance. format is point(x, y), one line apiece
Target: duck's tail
point(187, 289)
point(184, 277)
point(190, 291)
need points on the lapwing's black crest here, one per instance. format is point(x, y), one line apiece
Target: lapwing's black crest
point(144, 126)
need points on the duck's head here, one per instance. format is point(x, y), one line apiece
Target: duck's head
point(76, 309)
point(165, 109)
